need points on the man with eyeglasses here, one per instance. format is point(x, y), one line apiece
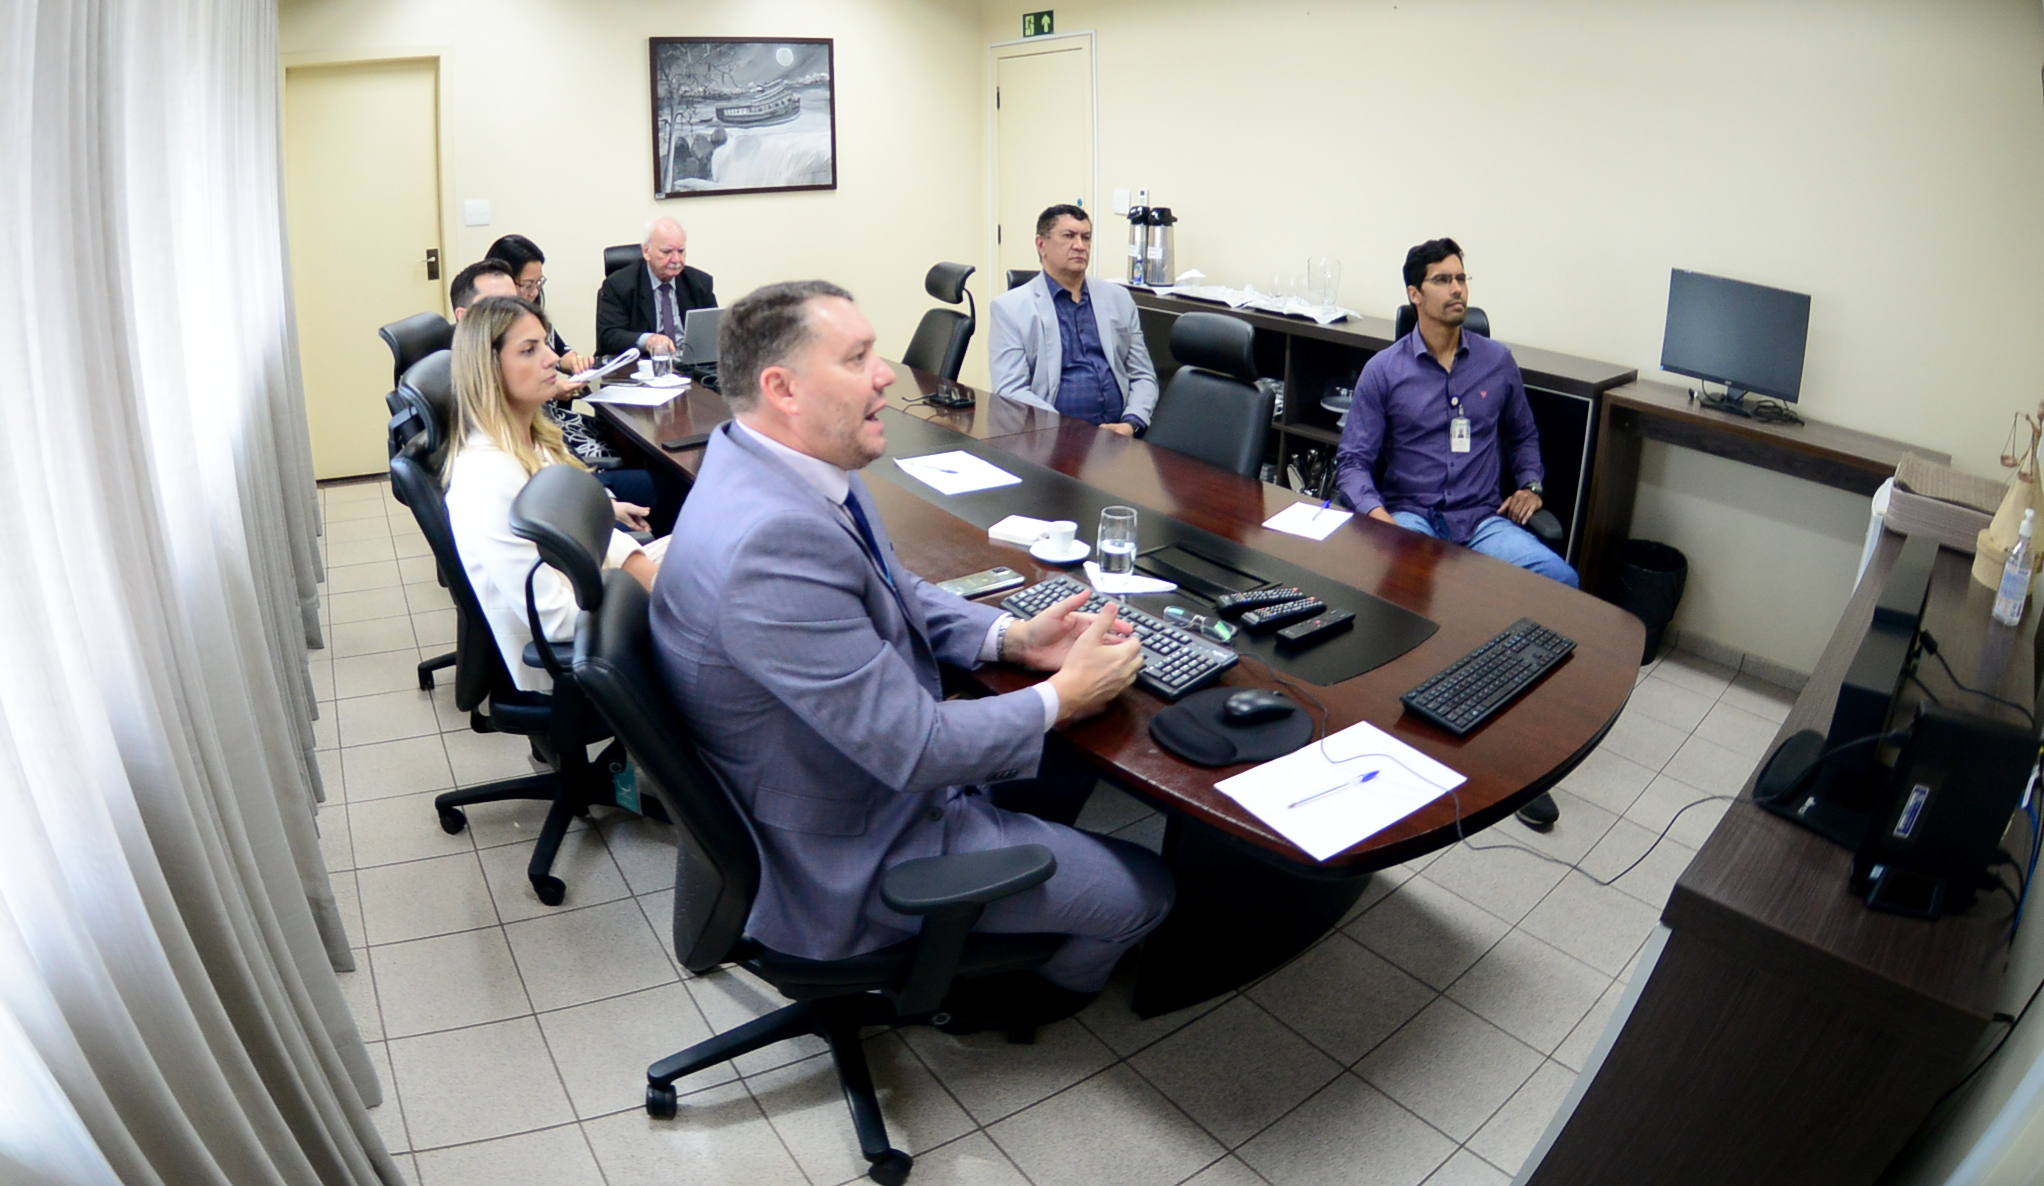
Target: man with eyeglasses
point(647, 307)
point(1437, 417)
point(1064, 342)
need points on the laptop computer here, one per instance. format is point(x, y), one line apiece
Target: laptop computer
point(699, 337)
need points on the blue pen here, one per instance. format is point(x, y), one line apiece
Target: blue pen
point(1354, 782)
point(1324, 506)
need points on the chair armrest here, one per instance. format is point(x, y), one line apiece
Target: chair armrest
point(937, 885)
point(1546, 528)
point(607, 463)
point(564, 646)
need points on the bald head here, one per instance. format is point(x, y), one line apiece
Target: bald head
point(665, 248)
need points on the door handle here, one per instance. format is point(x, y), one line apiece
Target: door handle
point(432, 263)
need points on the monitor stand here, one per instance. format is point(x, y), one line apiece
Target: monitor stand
point(1826, 798)
point(1732, 402)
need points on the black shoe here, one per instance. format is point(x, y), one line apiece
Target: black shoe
point(1540, 814)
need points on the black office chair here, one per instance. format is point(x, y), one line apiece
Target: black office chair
point(717, 871)
point(1214, 409)
point(621, 256)
point(1544, 525)
point(559, 725)
point(941, 339)
point(1017, 277)
point(421, 408)
point(413, 339)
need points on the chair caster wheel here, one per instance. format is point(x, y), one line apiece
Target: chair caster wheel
point(551, 890)
point(891, 1168)
point(659, 1102)
point(453, 820)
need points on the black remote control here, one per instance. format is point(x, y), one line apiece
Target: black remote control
point(1277, 615)
point(1332, 622)
point(1235, 603)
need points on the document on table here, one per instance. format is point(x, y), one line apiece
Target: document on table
point(956, 472)
point(636, 397)
point(1308, 519)
point(1351, 786)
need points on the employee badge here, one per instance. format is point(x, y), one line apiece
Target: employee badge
point(1458, 434)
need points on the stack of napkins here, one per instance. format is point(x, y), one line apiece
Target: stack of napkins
point(1128, 584)
point(1019, 530)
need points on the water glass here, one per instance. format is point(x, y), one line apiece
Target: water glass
point(1323, 281)
point(663, 365)
point(1117, 540)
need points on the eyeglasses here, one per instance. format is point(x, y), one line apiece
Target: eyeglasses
point(532, 286)
point(1446, 280)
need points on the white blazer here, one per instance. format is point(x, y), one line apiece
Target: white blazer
point(1028, 351)
point(485, 480)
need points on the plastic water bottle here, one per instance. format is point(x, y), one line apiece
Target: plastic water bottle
point(2015, 576)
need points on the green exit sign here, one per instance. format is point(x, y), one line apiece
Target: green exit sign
point(1036, 24)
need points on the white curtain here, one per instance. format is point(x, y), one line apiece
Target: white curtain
point(168, 1008)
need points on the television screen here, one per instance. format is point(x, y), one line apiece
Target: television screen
point(1747, 336)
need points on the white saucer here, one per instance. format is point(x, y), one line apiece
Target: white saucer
point(1074, 552)
point(662, 381)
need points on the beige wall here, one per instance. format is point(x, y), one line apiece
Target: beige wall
point(1887, 158)
point(546, 113)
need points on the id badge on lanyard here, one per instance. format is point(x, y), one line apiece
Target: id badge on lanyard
point(1458, 429)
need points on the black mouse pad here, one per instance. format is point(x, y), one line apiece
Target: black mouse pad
point(1197, 730)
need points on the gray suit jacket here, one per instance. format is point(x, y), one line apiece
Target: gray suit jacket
point(813, 690)
point(1028, 351)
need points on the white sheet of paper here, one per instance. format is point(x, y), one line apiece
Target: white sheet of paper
point(1126, 584)
point(1309, 520)
point(637, 397)
point(956, 472)
point(1314, 798)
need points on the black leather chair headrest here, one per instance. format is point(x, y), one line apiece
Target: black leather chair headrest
point(1476, 322)
point(564, 511)
point(946, 281)
point(623, 255)
point(1017, 277)
point(432, 380)
point(414, 338)
point(1215, 342)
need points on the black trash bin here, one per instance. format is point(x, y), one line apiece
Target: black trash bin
point(1650, 579)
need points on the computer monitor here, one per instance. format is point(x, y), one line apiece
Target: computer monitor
point(1747, 336)
point(699, 336)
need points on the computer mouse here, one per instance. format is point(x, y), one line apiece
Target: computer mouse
point(1252, 705)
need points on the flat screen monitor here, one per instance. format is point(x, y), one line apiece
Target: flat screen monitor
point(1747, 336)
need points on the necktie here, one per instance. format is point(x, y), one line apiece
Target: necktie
point(866, 536)
point(667, 326)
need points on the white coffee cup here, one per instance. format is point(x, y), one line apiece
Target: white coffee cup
point(1059, 537)
point(644, 370)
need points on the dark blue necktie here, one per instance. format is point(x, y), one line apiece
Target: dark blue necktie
point(866, 536)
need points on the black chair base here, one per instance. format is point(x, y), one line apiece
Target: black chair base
point(836, 1020)
point(429, 666)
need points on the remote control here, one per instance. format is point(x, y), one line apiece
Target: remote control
point(1278, 615)
point(1332, 622)
point(1235, 603)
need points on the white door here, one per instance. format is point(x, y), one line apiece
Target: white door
point(362, 185)
point(1043, 106)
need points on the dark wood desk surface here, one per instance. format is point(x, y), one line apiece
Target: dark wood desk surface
point(695, 411)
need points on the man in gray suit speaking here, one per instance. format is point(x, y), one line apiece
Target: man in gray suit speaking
point(805, 658)
point(1064, 341)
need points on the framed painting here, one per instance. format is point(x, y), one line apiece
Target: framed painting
point(743, 115)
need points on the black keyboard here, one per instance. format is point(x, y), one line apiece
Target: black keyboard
point(1473, 688)
point(1175, 661)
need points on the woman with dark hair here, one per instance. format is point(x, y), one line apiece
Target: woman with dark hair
point(587, 438)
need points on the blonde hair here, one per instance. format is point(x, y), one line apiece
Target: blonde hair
point(480, 402)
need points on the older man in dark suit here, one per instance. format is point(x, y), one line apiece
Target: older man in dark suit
point(645, 307)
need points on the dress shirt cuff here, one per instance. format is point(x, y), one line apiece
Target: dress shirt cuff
point(642, 340)
point(1052, 705)
point(621, 548)
point(1141, 424)
point(990, 648)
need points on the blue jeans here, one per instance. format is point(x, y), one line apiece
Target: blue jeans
point(1503, 539)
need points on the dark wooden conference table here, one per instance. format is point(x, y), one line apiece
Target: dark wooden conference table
point(1249, 899)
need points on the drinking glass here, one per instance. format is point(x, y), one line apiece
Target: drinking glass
point(1117, 540)
point(663, 364)
point(1323, 281)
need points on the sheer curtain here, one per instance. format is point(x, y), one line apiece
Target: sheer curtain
point(168, 1008)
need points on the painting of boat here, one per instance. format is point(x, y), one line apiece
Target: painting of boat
point(770, 104)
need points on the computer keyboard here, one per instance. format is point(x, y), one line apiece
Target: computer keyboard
point(1473, 688)
point(1174, 661)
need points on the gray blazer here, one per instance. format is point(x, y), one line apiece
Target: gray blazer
point(813, 690)
point(1028, 351)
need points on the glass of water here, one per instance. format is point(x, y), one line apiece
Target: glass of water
point(1118, 540)
point(663, 364)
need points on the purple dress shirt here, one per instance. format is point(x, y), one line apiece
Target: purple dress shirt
point(1395, 454)
point(1085, 388)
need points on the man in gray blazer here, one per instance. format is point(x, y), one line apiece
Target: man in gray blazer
point(805, 658)
point(1067, 342)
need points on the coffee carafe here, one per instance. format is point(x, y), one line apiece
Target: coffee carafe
point(1160, 261)
point(1138, 236)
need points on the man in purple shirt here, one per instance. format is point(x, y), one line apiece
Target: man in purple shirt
point(1437, 416)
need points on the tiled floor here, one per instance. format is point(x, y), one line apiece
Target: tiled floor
point(1429, 1040)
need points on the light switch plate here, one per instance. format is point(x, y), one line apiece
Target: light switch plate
point(476, 211)
point(1121, 201)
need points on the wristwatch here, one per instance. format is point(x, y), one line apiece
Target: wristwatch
point(1539, 491)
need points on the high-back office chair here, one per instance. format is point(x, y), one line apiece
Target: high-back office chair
point(717, 866)
point(413, 339)
point(1017, 277)
point(1544, 525)
point(558, 724)
point(623, 255)
point(1214, 408)
point(421, 407)
point(941, 338)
